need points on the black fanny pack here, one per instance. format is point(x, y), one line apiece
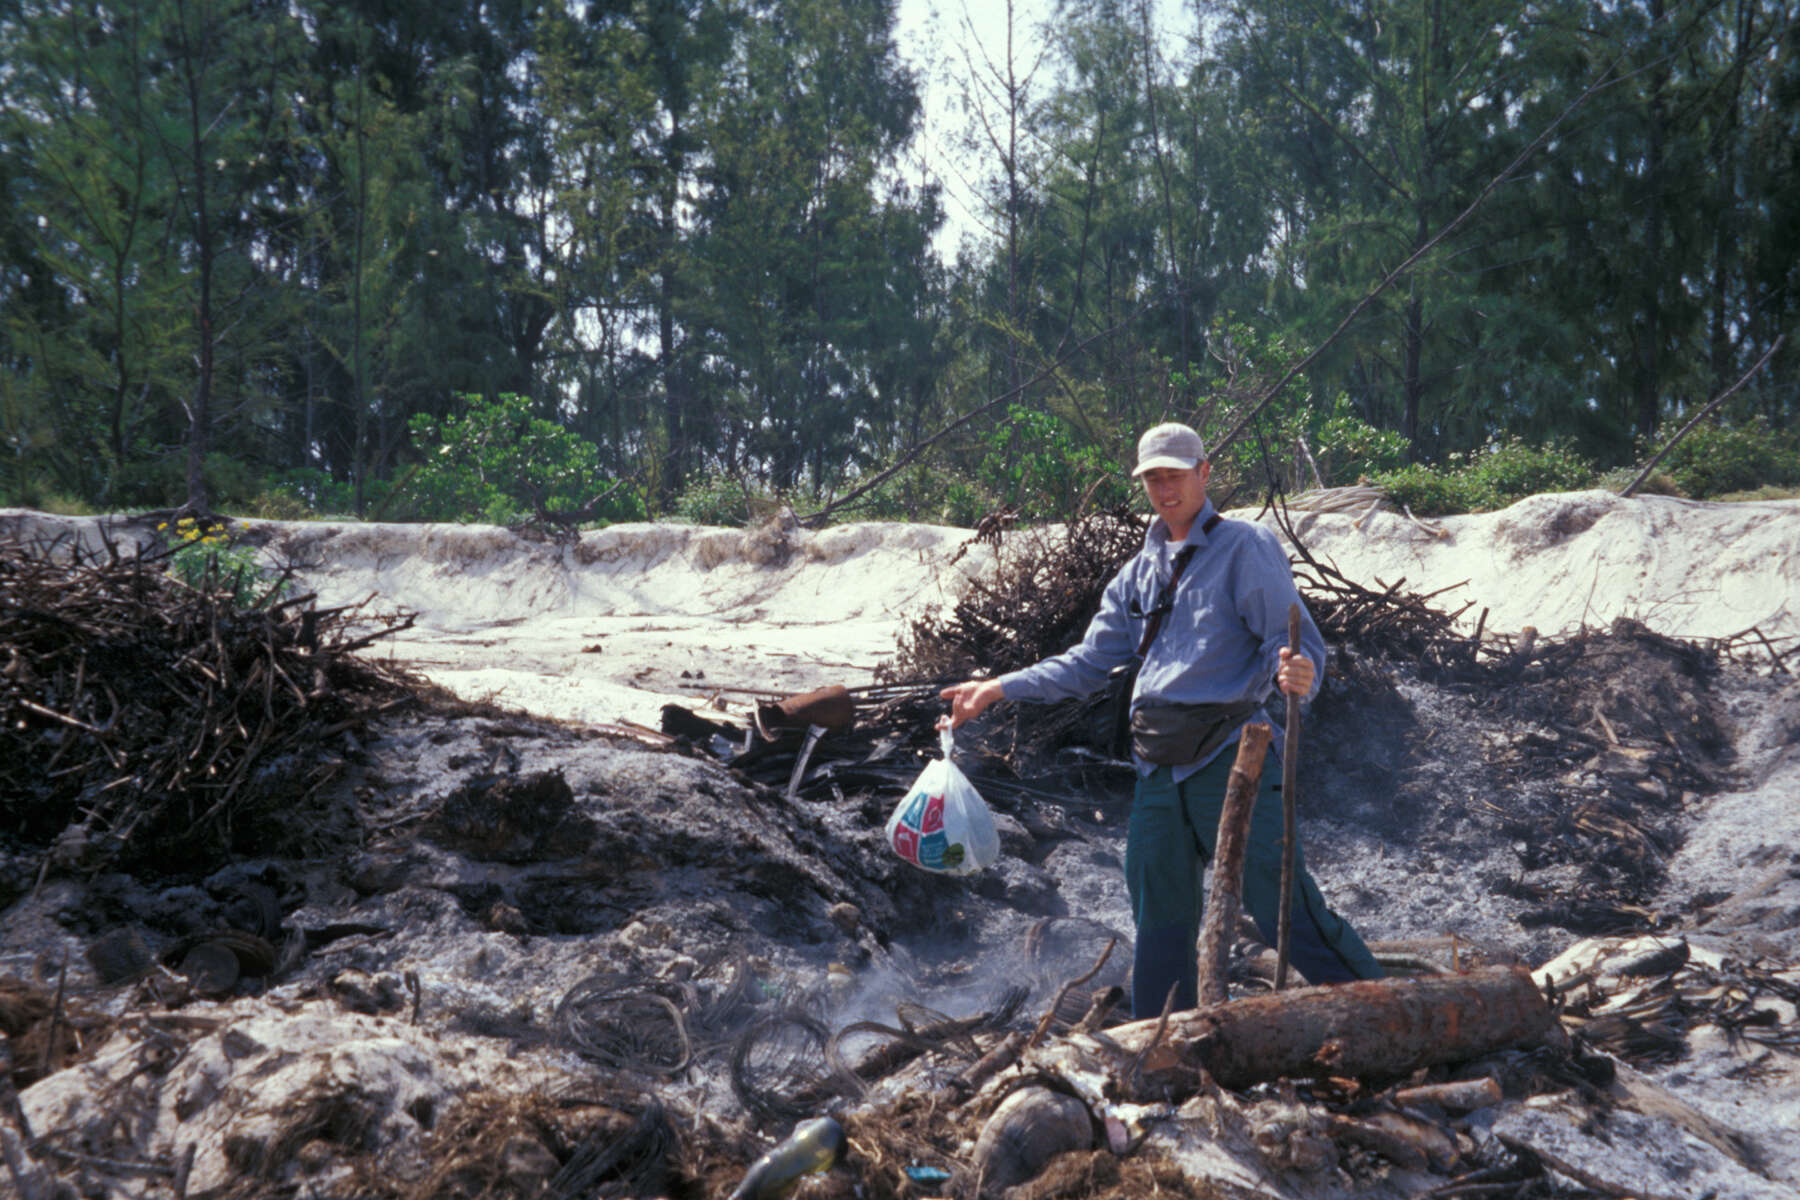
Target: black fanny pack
point(1173, 735)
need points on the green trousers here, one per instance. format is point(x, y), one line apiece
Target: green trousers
point(1174, 828)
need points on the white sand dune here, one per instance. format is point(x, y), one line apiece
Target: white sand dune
point(623, 620)
point(1559, 562)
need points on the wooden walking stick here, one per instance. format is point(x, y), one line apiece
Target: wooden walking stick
point(1290, 764)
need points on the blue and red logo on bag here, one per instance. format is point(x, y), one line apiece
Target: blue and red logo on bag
point(940, 823)
point(919, 835)
point(933, 820)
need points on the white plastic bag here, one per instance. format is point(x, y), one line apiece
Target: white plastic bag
point(942, 824)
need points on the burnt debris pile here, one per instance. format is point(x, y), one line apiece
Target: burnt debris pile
point(1585, 752)
point(1621, 715)
point(1615, 737)
point(559, 961)
point(144, 719)
point(1400, 1087)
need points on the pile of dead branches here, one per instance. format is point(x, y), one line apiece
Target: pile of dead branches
point(1393, 623)
point(1045, 589)
point(144, 719)
point(1047, 586)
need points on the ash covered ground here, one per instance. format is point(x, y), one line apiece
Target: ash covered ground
point(542, 953)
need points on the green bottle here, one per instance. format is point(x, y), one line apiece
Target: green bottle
point(813, 1146)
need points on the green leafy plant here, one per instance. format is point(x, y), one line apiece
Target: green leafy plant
point(278, 504)
point(208, 559)
point(1514, 469)
point(1659, 483)
point(1766, 492)
point(1502, 474)
point(1428, 491)
point(721, 498)
point(1038, 462)
point(1715, 460)
point(496, 462)
point(924, 492)
point(1348, 448)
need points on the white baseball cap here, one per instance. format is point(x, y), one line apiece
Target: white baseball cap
point(1172, 445)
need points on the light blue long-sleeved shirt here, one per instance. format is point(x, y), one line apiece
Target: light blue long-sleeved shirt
point(1221, 642)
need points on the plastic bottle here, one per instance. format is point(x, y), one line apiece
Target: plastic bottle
point(813, 1146)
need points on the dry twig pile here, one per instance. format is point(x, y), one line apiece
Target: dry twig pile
point(142, 719)
point(1045, 589)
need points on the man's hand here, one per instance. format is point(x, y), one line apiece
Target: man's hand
point(1295, 676)
point(969, 700)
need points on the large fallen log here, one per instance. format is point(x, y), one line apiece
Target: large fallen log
point(1378, 1028)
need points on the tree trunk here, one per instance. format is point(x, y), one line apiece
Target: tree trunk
point(1148, 48)
point(1650, 324)
point(1412, 387)
point(1725, 236)
point(200, 417)
point(675, 458)
point(1378, 1028)
point(1013, 101)
point(121, 376)
point(359, 461)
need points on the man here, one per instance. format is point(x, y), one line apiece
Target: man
point(1219, 649)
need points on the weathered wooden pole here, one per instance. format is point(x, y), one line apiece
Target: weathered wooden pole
point(1290, 784)
point(1376, 1028)
point(1225, 897)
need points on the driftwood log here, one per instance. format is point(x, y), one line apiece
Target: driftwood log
point(1377, 1028)
point(1225, 899)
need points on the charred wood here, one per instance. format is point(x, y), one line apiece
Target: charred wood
point(1226, 896)
point(1381, 1028)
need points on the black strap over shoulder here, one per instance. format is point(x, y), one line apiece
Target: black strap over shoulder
point(1165, 600)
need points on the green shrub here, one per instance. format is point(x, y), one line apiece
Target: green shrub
point(1040, 464)
point(1502, 474)
point(278, 505)
point(1348, 448)
point(1766, 492)
point(1714, 460)
point(62, 505)
point(495, 463)
point(315, 491)
point(1509, 472)
point(1427, 491)
point(719, 498)
point(1619, 478)
point(922, 492)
